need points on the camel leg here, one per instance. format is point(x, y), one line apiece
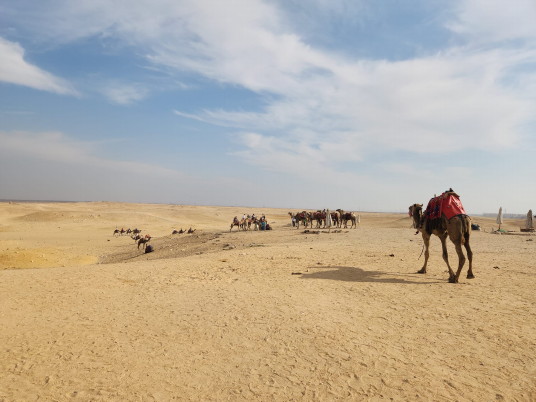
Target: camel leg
point(452, 276)
point(426, 240)
point(470, 258)
point(461, 261)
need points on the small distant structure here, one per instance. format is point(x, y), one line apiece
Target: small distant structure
point(529, 222)
point(499, 219)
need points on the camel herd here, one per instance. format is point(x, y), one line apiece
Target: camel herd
point(189, 231)
point(135, 235)
point(339, 218)
point(127, 232)
point(142, 241)
point(249, 222)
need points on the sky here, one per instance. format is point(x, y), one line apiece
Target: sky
point(362, 105)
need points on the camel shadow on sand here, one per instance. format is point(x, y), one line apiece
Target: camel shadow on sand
point(356, 274)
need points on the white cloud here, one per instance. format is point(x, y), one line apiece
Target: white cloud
point(124, 94)
point(15, 70)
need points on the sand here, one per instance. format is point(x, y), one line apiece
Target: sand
point(278, 315)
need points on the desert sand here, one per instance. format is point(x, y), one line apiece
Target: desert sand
point(273, 315)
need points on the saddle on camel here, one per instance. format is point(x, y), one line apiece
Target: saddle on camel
point(445, 217)
point(447, 204)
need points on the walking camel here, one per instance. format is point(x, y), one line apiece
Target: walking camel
point(235, 222)
point(142, 241)
point(457, 228)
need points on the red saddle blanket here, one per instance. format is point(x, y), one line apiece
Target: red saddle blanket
point(447, 204)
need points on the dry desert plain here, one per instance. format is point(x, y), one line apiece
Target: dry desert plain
point(274, 315)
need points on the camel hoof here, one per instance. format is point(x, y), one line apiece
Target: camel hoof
point(470, 276)
point(421, 271)
point(452, 279)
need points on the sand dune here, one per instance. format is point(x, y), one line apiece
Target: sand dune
point(277, 315)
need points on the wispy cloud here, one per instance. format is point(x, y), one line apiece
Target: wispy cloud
point(124, 94)
point(14, 69)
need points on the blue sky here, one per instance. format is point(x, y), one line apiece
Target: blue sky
point(354, 104)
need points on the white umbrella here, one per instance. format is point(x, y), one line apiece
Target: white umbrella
point(499, 218)
point(530, 223)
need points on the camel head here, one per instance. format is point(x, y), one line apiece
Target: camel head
point(415, 211)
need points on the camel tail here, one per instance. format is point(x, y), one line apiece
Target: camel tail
point(466, 228)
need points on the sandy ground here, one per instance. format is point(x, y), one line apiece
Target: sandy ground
point(278, 315)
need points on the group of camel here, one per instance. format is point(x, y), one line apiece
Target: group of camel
point(339, 218)
point(122, 232)
point(457, 228)
point(143, 240)
point(135, 235)
point(189, 231)
point(248, 222)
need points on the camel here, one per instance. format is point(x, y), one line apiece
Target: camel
point(190, 231)
point(300, 217)
point(457, 228)
point(143, 241)
point(335, 218)
point(236, 223)
point(253, 221)
point(319, 217)
point(347, 216)
point(116, 232)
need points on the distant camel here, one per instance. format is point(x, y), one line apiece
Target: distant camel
point(299, 217)
point(178, 231)
point(457, 228)
point(236, 223)
point(348, 216)
point(143, 241)
point(319, 217)
point(116, 232)
point(190, 231)
point(336, 218)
